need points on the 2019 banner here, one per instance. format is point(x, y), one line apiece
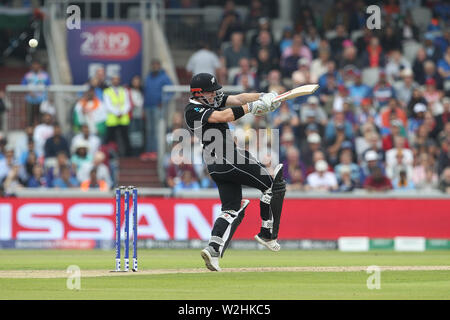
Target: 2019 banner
point(117, 47)
point(184, 219)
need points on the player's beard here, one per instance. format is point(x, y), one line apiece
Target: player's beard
point(216, 100)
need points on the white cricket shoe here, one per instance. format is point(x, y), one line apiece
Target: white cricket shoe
point(272, 245)
point(211, 258)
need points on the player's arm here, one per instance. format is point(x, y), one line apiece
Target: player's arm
point(229, 114)
point(242, 98)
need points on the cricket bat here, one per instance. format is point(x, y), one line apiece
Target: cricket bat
point(296, 92)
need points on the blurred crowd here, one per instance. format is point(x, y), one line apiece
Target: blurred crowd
point(381, 117)
point(108, 121)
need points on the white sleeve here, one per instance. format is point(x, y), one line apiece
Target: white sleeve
point(127, 102)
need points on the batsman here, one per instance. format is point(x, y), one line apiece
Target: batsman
point(207, 115)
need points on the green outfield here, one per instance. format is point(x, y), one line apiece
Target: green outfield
point(180, 274)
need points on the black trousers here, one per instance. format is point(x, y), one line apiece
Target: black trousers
point(120, 135)
point(230, 176)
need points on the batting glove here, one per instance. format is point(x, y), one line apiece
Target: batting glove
point(268, 97)
point(258, 107)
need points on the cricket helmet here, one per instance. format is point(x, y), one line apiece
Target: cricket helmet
point(206, 82)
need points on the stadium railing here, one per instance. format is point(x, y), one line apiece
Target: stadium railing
point(214, 194)
point(65, 97)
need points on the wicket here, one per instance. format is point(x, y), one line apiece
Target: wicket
point(125, 191)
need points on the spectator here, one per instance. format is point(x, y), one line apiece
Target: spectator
point(93, 182)
point(392, 111)
point(24, 154)
point(38, 179)
point(394, 167)
point(399, 148)
point(56, 143)
point(292, 54)
point(291, 164)
point(444, 117)
point(136, 95)
point(35, 77)
point(92, 140)
point(409, 31)
point(433, 97)
point(396, 129)
point(153, 104)
point(102, 170)
point(417, 120)
point(345, 181)
point(346, 163)
point(338, 127)
point(366, 113)
point(13, 182)
point(245, 72)
point(430, 72)
point(42, 132)
point(443, 64)
point(423, 162)
point(321, 179)
point(255, 13)
point(81, 155)
point(444, 183)
point(335, 16)
point(54, 172)
point(395, 65)
point(175, 169)
point(305, 129)
point(236, 51)
point(419, 65)
point(349, 60)
point(313, 144)
point(27, 167)
point(305, 19)
point(297, 181)
point(98, 90)
point(405, 88)
point(230, 23)
point(302, 75)
point(91, 111)
point(433, 53)
point(377, 181)
point(390, 40)
point(417, 97)
point(117, 103)
point(382, 92)
point(313, 109)
point(358, 90)
point(7, 162)
point(371, 161)
point(430, 182)
point(313, 40)
point(48, 106)
point(287, 141)
point(203, 60)
point(264, 40)
point(319, 65)
point(66, 179)
point(373, 56)
point(186, 182)
point(100, 79)
point(286, 38)
point(285, 116)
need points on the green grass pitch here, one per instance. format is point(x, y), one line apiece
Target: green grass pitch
point(433, 284)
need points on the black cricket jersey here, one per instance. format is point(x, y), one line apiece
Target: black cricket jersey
point(196, 116)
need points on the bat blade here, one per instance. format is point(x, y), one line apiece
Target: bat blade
point(296, 92)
